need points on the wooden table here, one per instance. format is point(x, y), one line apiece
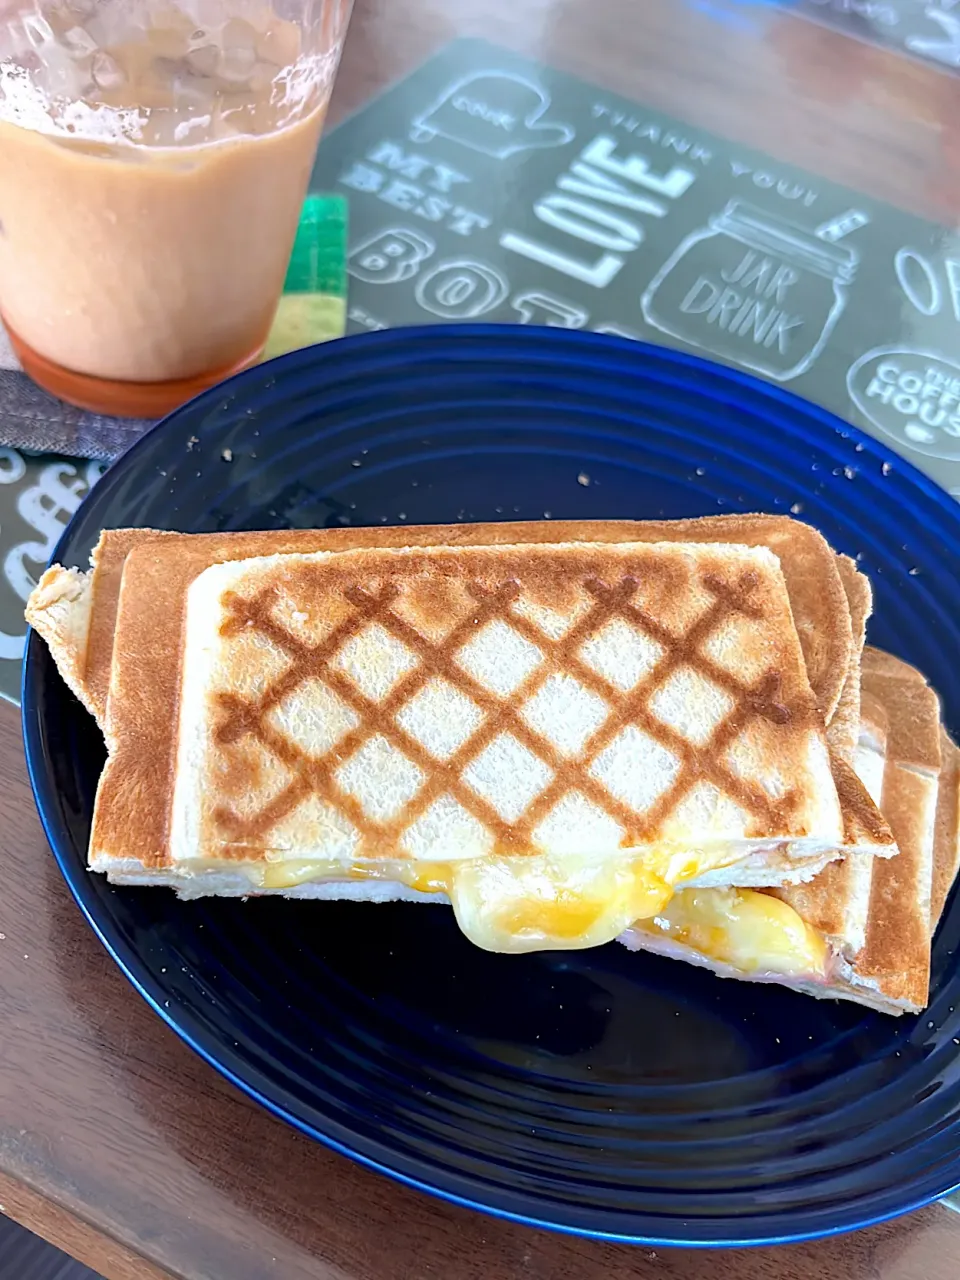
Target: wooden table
point(120, 1145)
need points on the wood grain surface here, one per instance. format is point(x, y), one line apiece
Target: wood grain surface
point(117, 1142)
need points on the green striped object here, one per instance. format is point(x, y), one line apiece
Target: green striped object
point(314, 303)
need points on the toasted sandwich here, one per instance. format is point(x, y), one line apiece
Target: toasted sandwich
point(865, 936)
point(79, 616)
point(552, 736)
point(76, 613)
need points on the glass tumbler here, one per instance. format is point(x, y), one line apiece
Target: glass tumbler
point(154, 156)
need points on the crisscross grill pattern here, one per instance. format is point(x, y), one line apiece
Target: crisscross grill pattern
point(244, 835)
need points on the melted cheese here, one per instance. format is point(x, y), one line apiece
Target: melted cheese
point(750, 931)
point(533, 903)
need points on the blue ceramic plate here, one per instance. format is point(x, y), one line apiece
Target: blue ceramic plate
point(599, 1092)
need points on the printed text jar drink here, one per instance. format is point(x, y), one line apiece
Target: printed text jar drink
point(755, 289)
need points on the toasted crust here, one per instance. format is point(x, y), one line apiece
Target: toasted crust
point(911, 707)
point(946, 841)
point(844, 728)
point(884, 664)
point(894, 961)
point(107, 562)
point(836, 902)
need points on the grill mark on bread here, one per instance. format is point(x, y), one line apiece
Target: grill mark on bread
point(766, 698)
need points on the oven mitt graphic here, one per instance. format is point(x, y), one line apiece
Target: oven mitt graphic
point(494, 112)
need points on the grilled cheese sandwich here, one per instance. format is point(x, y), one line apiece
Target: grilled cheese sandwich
point(581, 874)
point(551, 737)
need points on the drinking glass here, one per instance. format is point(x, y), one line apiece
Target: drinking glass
point(154, 156)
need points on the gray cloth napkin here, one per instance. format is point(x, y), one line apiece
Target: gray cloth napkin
point(31, 419)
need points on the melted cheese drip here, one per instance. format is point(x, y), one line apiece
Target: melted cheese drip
point(534, 903)
point(529, 904)
point(750, 931)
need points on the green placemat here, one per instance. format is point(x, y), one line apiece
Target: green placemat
point(314, 303)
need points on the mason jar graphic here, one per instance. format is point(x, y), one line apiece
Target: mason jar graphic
point(756, 289)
